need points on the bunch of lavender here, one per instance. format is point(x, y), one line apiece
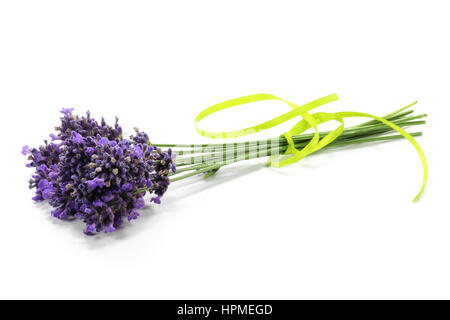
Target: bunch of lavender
point(88, 171)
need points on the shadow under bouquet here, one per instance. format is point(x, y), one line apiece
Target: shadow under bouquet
point(89, 171)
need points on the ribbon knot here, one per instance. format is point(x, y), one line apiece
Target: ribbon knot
point(308, 121)
point(291, 145)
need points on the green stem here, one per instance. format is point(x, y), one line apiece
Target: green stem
point(409, 121)
point(391, 116)
point(211, 156)
point(205, 167)
point(265, 144)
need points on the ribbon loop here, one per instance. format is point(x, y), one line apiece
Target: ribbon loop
point(262, 126)
point(308, 121)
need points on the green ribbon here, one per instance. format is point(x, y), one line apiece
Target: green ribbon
point(308, 121)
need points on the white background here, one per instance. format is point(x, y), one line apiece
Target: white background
point(338, 224)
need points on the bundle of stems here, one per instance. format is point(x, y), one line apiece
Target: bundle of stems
point(195, 159)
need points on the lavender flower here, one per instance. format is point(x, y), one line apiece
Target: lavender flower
point(91, 173)
point(25, 150)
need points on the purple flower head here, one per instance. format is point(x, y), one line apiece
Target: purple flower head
point(137, 151)
point(53, 175)
point(43, 184)
point(97, 203)
point(133, 215)
point(119, 151)
point(89, 151)
point(156, 200)
point(77, 138)
point(140, 137)
point(67, 111)
point(95, 183)
point(95, 175)
point(110, 228)
point(25, 150)
point(47, 193)
point(107, 197)
point(103, 141)
point(126, 187)
point(139, 203)
point(59, 213)
point(90, 229)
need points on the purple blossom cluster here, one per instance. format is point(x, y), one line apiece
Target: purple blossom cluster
point(89, 172)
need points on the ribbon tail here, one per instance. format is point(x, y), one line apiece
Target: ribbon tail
point(404, 134)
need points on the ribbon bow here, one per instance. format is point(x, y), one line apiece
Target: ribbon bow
point(308, 121)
